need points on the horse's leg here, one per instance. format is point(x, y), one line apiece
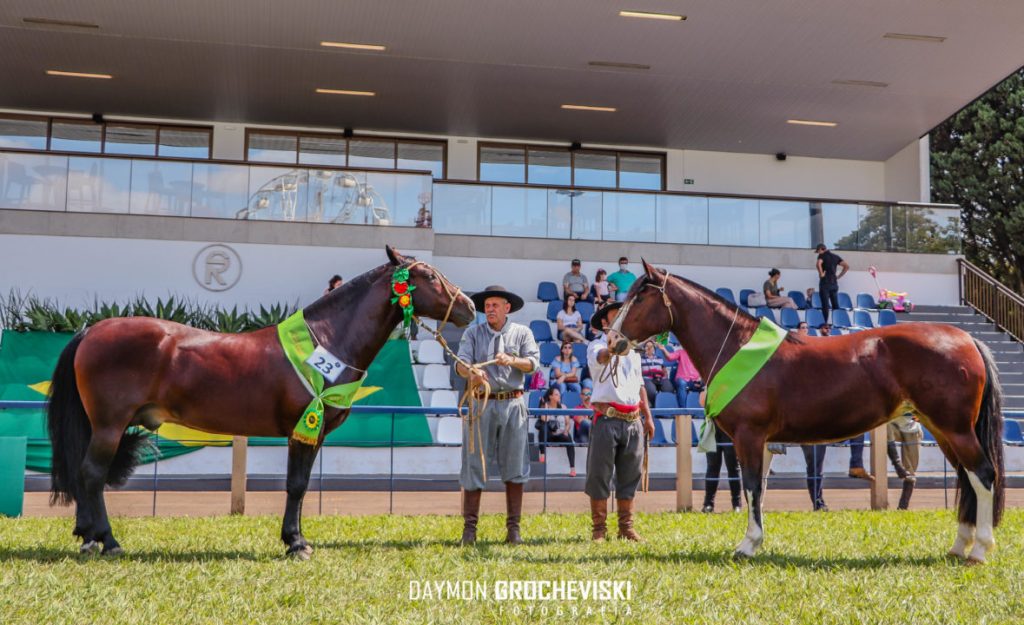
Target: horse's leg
point(92, 522)
point(965, 531)
point(750, 451)
point(982, 476)
point(300, 464)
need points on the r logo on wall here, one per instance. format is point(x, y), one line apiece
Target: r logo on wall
point(217, 267)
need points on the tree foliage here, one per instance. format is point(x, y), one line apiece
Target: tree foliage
point(977, 162)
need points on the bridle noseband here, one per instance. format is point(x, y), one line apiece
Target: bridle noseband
point(629, 303)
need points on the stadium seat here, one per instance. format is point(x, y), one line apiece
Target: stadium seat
point(865, 300)
point(814, 318)
point(437, 377)
point(693, 400)
point(553, 308)
point(1012, 433)
point(548, 353)
point(816, 300)
point(744, 296)
point(764, 311)
point(886, 317)
point(571, 399)
point(547, 292)
point(694, 437)
point(929, 439)
point(666, 400)
point(673, 339)
point(449, 431)
point(533, 401)
point(862, 319)
point(812, 331)
point(798, 299)
point(430, 353)
point(840, 318)
point(586, 310)
point(844, 301)
point(444, 399)
point(579, 351)
point(790, 318)
point(541, 331)
point(726, 294)
point(659, 440)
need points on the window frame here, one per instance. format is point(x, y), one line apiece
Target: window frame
point(526, 147)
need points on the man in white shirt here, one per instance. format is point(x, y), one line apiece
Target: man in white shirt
point(617, 434)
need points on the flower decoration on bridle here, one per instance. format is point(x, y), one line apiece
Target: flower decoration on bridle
point(401, 292)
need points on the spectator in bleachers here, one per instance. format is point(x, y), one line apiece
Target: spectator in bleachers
point(570, 322)
point(620, 281)
point(825, 329)
point(814, 456)
point(600, 290)
point(773, 292)
point(565, 370)
point(556, 428)
point(575, 282)
point(583, 422)
point(801, 329)
point(333, 283)
point(828, 281)
point(654, 372)
point(687, 377)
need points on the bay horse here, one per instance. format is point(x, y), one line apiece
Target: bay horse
point(821, 390)
point(143, 372)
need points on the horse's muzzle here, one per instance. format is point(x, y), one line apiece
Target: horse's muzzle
point(620, 347)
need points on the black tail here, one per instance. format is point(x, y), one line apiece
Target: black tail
point(989, 430)
point(70, 433)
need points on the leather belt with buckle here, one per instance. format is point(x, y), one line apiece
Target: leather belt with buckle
point(614, 413)
point(503, 395)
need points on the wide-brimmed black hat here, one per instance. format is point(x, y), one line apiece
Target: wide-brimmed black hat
point(599, 315)
point(496, 290)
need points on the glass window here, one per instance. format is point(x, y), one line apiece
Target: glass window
point(161, 188)
point(682, 219)
point(99, 185)
point(874, 227)
point(23, 134)
point(462, 209)
point(551, 167)
point(785, 224)
point(933, 230)
point(277, 193)
point(370, 153)
point(329, 151)
point(629, 216)
point(273, 148)
point(519, 212)
point(594, 169)
point(34, 181)
point(732, 221)
point(134, 140)
point(586, 215)
point(840, 226)
point(422, 156)
point(220, 190)
point(71, 136)
point(637, 171)
point(499, 163)
point(184, 143)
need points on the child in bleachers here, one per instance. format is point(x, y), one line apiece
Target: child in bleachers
point(600, 290)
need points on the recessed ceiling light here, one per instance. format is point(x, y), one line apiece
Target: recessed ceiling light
point(653, 16)
point(811, 122)
point(353, 46)
point(584, 107)
point(906, 37)
point(44, 21)
point(861, 83)
point(346, 92)
point(55, 72)
point(614, 65)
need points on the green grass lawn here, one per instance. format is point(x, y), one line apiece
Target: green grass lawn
point(839, 567)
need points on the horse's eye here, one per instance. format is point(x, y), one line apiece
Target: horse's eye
point(432, 278)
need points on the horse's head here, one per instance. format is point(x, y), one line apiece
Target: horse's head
point(433, 295)
point(647, 311)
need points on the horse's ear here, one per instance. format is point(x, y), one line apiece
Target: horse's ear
point(649, 269)
point(394, 255)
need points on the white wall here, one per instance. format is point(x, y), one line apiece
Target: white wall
point(908, 174)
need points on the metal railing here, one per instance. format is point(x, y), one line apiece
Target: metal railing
point(991, 298)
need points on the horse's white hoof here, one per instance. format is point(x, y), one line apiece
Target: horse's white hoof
point(973, 560)
point(115, 552)
point(90, 547)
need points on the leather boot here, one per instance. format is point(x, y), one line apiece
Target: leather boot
point(626, 530)
point(599, 514)
point(894, 457)
point(470, 515)
point(514, 510)
point(908, 490)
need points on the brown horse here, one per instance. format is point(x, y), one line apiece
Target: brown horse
point(144, 372)
point(819, 390)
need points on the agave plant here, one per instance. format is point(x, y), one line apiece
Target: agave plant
point(232, 320)
point(270, 317)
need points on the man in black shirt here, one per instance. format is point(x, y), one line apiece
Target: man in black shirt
point(828, 281)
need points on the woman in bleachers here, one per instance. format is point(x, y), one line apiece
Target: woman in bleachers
point(581, 434)
point(600, 290)
point(570, 322)
point(556, 428)
point(565, 370)
point(773, 292)
point(654, 372)
point(687, 377)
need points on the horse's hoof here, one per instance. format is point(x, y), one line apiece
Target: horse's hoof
point(301, 553)
point(952, 555)
point(741, 556)
point(972, 561)
point(90, 547)
point(113, 552)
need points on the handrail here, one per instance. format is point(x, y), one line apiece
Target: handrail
point(991, 298)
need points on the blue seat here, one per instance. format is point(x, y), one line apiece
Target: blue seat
point(541, 331)
point(579, 350)
point(816, 300)
point(571, 399)
point(693, 400)
point(586, 310)
point(790, 318)
point(862, 319)
point(814, 318)
point(659, 440)
point(864, 300)
point(764, 311)
point(726, 294)
point(694, 438)
point(666, 400)
point(812, 332)
point(533, 401)
point(1012, 433)
point(744, 295)
point(798, 299)
point(672, 338)
point(548, 353)
point(886, 317)
point(553, 308)
point(845, 301)
point(547, 292)
point(928, 439)
point(840, 318)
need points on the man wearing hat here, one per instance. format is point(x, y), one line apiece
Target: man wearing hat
point(503, 426)
point(617, 435)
